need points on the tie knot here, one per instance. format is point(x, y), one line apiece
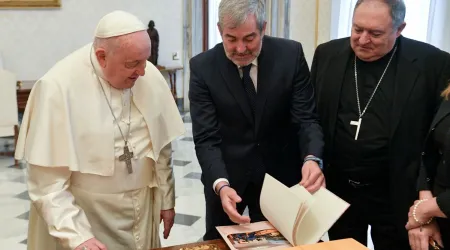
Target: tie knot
point(246, 69)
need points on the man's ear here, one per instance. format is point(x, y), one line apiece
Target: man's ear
point(263, 30)
point(220, 28)
point(100, 53)
point(400, 29)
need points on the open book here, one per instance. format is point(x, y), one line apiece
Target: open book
point(295, 217)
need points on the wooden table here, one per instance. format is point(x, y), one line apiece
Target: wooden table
point(172, 72)
point(22, 98)
point(346, 244)
point(218, 244)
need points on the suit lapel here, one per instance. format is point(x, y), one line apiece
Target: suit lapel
point(265, 82)
point(405, 80)
point(230, 74)
point(333, 81)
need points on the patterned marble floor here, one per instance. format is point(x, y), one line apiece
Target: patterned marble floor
point(190, 205)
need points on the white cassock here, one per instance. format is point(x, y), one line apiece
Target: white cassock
point(78, 187)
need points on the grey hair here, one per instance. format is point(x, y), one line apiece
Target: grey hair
point(239, 10)
point(398, 11)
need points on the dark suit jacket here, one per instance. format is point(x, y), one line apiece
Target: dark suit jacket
point(420, 78)
point(432, 156)
point(228, 143)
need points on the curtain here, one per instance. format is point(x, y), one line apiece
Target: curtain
point(438, 32)
point(277, 17)
point(213, 18)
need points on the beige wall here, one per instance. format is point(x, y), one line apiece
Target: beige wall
point(308, 28)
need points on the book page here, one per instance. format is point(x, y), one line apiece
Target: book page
point(322, 213)
point(280, 206)
point(302, 194)
point(256, 235)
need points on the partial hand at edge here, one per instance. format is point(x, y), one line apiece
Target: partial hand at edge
point(312, 176)
point(168, 216)
point(419, 239)
point(91, 244)
point(229, 198)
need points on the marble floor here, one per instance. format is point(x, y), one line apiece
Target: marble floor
point(190, 205)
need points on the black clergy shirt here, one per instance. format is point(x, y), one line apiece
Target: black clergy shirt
point(366, 157)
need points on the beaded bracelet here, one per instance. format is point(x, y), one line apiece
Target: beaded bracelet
point(415, 217)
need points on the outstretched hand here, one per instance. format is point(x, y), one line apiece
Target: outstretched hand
point(229, 198)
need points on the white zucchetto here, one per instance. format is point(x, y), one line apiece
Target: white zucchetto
point(118, 23)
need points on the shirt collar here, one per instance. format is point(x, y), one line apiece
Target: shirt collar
point(254, 62)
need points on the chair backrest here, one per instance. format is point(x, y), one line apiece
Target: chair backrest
point(8, 103)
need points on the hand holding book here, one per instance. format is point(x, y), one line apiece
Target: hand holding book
point(295, 217)
point(312, 176)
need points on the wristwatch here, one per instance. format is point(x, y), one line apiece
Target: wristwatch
point(316, 159)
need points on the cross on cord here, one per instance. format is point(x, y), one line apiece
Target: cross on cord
point(126, 157)
point(358, 125)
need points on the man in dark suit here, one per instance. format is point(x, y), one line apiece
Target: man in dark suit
point(377, 92)
point(253, 113)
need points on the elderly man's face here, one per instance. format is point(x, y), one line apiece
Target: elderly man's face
point(242, 43)
point(127, 61)
point(373, 35)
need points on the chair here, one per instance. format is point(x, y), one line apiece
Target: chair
point(9, 118)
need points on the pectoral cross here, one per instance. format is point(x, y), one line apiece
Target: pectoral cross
point(358, 125)
point(127, 156)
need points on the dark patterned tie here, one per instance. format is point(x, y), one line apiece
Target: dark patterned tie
point(249, 87)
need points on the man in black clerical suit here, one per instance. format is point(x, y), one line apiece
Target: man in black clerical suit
point(376, 92)
point(253, 112)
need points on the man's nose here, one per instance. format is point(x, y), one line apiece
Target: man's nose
point(364, 38)
point(141, 69)
point(241, 48)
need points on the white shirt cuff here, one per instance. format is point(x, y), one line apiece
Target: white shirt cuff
point(217, 182)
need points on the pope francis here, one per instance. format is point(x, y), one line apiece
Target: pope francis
point(96, 135)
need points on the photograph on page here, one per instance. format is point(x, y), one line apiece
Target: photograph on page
point(259, 235)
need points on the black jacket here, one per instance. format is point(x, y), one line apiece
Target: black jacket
point(431, 158)
point(228, 142)
point(420, 77)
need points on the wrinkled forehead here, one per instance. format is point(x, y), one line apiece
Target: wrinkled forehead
point(135, 46)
